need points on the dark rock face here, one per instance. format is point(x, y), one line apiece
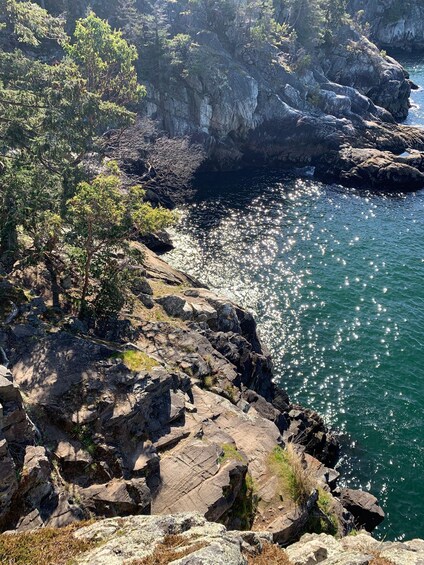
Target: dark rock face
point(394, 23)
point(159, 242)
point(263, 113)
point(254, 106)
point(375, 169)
point(364, 507)
point(357, 63)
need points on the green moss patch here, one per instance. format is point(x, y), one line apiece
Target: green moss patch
point(230, 453)
point(324, 519)
point(137, 361)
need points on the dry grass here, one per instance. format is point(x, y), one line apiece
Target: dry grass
point(162, 289)
point(172, 548)
point(378, 560)
point(43, 547)
point(295, 480)
point(271, 555)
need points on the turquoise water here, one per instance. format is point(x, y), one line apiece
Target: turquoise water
point(415, 66)
point(336, 280)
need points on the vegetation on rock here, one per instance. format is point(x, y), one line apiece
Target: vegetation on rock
point(56, 111)
point(294, 478)
point(46, 546)
point(137, 360)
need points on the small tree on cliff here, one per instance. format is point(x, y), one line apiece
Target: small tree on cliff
point(101, 219)
point(106, 61)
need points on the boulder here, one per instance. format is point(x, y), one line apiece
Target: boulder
point(314, 548)
point(375, 169)
point(8, 481)
point(360, 549)
point(8, 391)
point(194, 480)
point(117, 498)
point(176, 307)
point(159, 242)
point(364, 507)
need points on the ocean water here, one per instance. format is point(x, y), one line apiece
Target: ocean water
point(336, 279)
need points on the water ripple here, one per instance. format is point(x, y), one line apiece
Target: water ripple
point(335, 278)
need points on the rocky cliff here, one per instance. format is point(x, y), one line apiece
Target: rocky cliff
point(169, 408)
point(252, 109)
point(394, 24)
point(255, 97)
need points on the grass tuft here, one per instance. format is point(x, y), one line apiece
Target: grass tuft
point(246, 503)
point(230, 453)
point(173, 547)
point(295, 480)
point(210, 381)
point(271, 555)
point(324, 520)
point(378, 560)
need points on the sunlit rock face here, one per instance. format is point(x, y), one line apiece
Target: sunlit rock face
point(253, 104)
point(394, 23)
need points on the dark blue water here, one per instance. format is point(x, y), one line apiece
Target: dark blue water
point(336, 280)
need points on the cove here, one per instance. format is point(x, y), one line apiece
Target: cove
point(335, 278)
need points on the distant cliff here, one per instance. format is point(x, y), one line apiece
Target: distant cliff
point(288, 83)
point(393, 23)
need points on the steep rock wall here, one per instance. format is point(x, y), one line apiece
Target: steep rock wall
point(394, 23)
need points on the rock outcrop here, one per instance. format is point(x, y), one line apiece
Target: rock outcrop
point(359, 549)
point(252, 104)
point(175, 411)
point(375, 169)
point(198, 541)
point(364, 507)
point(265, 114)
point(189, 539)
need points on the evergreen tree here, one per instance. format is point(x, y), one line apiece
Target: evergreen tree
point(105, 60)
point(101, 219)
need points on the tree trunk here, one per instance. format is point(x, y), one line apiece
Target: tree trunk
point(54, 282)
point(8, 233)
point(83, 305)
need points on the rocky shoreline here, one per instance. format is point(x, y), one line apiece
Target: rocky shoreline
point(348, 100)
point(171, 408)
point(163, 425)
